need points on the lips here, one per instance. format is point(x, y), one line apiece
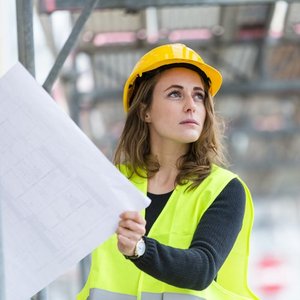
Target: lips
point(189, 121)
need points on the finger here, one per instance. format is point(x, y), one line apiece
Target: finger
point(133, 226)
point(131, 235)
point(133, 215)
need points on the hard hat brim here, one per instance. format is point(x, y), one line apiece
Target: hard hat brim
point(213, 74)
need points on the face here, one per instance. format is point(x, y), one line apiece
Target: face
point(177, 111)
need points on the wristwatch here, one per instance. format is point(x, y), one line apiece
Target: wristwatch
point(139, 249)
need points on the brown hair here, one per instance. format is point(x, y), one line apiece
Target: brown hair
point(134, 150)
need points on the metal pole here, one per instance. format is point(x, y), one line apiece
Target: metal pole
point(26, 57)
point(84, 267)
point(25, 34)
point(71, 41)
point(42, 295)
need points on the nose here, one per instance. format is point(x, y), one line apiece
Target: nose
point(189, 105)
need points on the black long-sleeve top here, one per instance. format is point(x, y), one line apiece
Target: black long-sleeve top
point(196, 267)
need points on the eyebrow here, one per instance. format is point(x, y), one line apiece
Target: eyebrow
point(181, 87)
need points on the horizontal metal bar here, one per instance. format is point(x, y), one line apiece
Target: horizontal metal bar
point(263, 86)
point(49, 6)
point(287, 132)
point(249, 88)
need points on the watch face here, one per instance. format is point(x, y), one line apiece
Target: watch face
point(140, 248)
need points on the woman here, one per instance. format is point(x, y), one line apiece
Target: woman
point(192, 242)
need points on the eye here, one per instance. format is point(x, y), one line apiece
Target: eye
point(199, 96)
point(175, 94)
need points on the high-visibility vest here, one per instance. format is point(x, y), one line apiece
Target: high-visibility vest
point(113, 277)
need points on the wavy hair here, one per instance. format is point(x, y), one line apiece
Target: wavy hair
point(134, 149)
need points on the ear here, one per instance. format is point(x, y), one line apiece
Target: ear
point(147, 118)
point(144, 114)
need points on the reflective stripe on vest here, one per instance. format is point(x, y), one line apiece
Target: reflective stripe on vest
point(97, 294)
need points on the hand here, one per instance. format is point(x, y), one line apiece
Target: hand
point(130, 230)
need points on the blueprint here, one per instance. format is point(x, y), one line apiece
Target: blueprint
point(60, 196)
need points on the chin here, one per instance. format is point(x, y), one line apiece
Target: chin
point(190, 139)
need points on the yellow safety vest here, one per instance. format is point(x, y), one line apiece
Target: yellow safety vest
point(112, 277)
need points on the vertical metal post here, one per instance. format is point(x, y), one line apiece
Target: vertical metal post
point(25, 34)
point(84, 268)
point(152, 24)
point(26, 57)
point(42, 295)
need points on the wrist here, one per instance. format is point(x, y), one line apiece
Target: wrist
point(139, 250)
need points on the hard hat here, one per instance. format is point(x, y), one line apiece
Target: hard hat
point(170, 54)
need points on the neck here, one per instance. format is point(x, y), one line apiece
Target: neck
point(163, 181)
point(167, 155)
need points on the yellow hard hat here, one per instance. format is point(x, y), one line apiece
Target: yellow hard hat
point(166, 55)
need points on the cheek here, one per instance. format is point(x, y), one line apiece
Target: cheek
point(159, 111)
point(202, 114)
